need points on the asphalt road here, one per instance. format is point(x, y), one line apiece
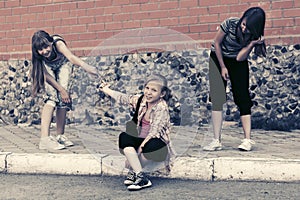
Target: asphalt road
point(41, 187)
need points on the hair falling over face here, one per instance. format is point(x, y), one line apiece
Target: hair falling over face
point(255, 18)
point(40, 40)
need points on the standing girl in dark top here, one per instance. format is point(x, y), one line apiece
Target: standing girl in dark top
point(52, 62)
point(232, 45)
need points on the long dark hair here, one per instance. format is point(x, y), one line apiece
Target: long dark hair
point(256, 19)
point(40, 40)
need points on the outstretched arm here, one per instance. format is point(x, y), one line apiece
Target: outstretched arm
point(104, 87)
point(120, 97)
point(61, 47)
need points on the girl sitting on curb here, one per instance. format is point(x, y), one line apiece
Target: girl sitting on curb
point(152, 118)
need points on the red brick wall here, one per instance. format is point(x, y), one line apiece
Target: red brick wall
point(86, 23)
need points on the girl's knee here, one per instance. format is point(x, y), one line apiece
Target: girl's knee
point(217, 107)
point(129, 149)
point(245, 108)
point(51, 103)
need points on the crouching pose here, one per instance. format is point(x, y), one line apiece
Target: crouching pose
point(147, 135)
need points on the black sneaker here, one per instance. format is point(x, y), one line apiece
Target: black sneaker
point(130, 179)
point(141, 182)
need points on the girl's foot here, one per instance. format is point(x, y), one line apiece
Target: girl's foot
point(130, 179)
point(213, 146)
point(50, 143)
point(141, 182)
point(62, 139)
point(246, 145)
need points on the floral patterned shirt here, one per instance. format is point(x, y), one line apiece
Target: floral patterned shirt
point(160, 124)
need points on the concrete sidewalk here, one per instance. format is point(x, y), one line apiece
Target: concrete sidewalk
point(276, 155)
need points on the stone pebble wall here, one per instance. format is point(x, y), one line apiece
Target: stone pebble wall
point(274, 88)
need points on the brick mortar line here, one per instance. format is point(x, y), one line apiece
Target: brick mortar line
point(195, 42)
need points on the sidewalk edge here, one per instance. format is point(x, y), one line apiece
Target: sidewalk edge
point(208, 169)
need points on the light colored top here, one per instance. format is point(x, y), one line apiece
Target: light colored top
point(145, 128)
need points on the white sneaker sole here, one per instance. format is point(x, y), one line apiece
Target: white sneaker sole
point(214, 149)
point(69, 145)
point(46, 148)
point(136, 187)
point(128, 182)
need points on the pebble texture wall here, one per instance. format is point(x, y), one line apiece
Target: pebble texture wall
point(274, 87)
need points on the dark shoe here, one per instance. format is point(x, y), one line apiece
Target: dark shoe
point(130, 179)
point(141, 182)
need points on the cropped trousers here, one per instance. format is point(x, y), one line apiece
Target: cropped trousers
point(239, 78)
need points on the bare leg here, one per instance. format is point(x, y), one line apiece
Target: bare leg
point(133, 159)
point(217, 121)
point(60, 120)
point(246, 123)
point(46, 117)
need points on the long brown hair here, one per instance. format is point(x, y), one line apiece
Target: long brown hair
point(40, 40)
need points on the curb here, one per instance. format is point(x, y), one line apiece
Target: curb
point(259, 169)
point(212, 169)
point(43, 163)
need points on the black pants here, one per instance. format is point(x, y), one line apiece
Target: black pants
point(155, 149)
point(239, 77)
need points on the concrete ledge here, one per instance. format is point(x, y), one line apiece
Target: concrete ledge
point(80, 164)
point(113, 165)
point(192, 168)
point(182, 167)
point(256, 169)
point(213, 169)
